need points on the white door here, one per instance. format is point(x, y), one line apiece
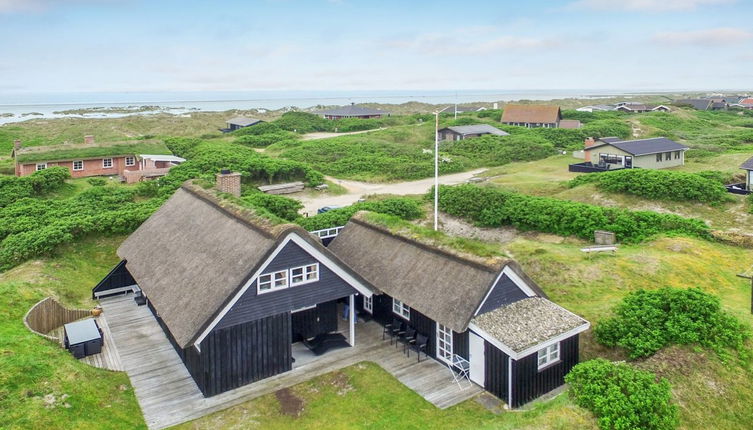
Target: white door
point(477, 357)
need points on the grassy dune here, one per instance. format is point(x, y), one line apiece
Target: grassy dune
point(32, 367)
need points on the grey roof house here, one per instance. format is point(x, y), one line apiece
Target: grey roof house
point(352, 111)
point(460, 132)
point(240, 122)
point(614, 153)
point(748, 167)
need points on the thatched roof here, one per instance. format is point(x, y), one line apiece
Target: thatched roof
point(194, 254)
point(445, 286)
point(528, 322)
point(544, 114)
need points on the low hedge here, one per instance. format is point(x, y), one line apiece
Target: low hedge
point(402, 207)
point(659, 184)
point(44, 181)
point(493, 207)
point(622, 397)
point(646, 321)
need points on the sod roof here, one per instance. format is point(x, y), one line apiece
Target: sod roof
point(81, 151)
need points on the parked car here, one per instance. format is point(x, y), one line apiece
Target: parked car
point(323, 209)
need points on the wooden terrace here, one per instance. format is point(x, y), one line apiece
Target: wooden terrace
point(169, 396)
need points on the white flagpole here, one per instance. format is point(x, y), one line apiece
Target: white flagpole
point(436, 168)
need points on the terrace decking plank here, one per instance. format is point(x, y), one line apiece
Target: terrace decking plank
point(168, 395)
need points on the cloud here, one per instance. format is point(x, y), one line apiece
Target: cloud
point(710, 37)
point(647, 5)
point(458, 43)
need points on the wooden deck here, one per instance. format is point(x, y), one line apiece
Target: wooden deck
point(168, 396)
point(109, 358)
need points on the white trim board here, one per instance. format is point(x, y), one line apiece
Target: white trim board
point(530, 350)
point(318, 255)
point(517, 280)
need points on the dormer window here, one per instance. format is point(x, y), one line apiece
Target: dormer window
point(273, 281)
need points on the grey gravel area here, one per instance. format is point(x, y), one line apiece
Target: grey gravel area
point(528, 322)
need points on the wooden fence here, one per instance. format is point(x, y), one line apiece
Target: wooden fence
point(48, 315)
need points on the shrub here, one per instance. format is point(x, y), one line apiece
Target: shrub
point(280, 206)
point(258, 129)
point(44, 181)
point(303, 122)
point(646, 321)
point(492, 207)
point(499, 150)
point(621, 397)
point(96, 182)
point(32, 227)
point(263, 140)
point(658, 184)
point(401, 207)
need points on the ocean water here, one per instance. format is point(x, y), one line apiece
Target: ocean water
point(21, 107)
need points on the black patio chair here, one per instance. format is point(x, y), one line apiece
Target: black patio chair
point(398, 328)
point(408, 338)
point(387, 329)
point(419, 345)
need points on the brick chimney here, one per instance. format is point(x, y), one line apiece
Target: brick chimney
point(588, 143)
point(229, 182)
point(89, 139)
point(17, 144)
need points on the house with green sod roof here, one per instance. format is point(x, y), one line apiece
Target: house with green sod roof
point(131, 161)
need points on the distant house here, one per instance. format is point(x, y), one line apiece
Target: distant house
point(615, 153)
point(460, 132)
point(532, 116)
point(352, 111)
point(240, 122)
point(570, 123)
point(464, 109)
point(595, 108)
point(132, 161)
point(746, 103)
point(236, 297)
point(748, 167)
point(697, 104)
point(641, 107)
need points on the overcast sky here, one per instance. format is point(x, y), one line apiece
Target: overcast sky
point(170, 45)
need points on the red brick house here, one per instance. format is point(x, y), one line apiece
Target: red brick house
point(132, 162)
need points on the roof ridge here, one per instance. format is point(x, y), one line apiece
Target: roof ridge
point(245, 215)
point(461, 257)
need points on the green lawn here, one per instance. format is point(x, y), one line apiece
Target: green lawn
point(32, 367)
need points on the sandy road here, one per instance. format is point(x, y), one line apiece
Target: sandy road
point(356, 190)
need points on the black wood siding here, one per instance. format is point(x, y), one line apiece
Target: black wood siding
point(311, 322)
point(118, 277)
point(253, 306)
point(245, 353)
point(504, 292)
point(530, 383)
point(460, 344)
point(239, 355)
point(495, 371)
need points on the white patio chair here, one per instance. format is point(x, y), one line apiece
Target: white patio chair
point(460, 370)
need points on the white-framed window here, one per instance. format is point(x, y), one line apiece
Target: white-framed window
point(304, 274)
point(368, 304)
point(272, 281)
point(41, 166)
point(78, 165)
point(130, 161)
point(549, 355)
point(444, 343)
point(106, 163)
point(401, 308)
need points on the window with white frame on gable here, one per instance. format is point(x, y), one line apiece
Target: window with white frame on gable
point(549, 355)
